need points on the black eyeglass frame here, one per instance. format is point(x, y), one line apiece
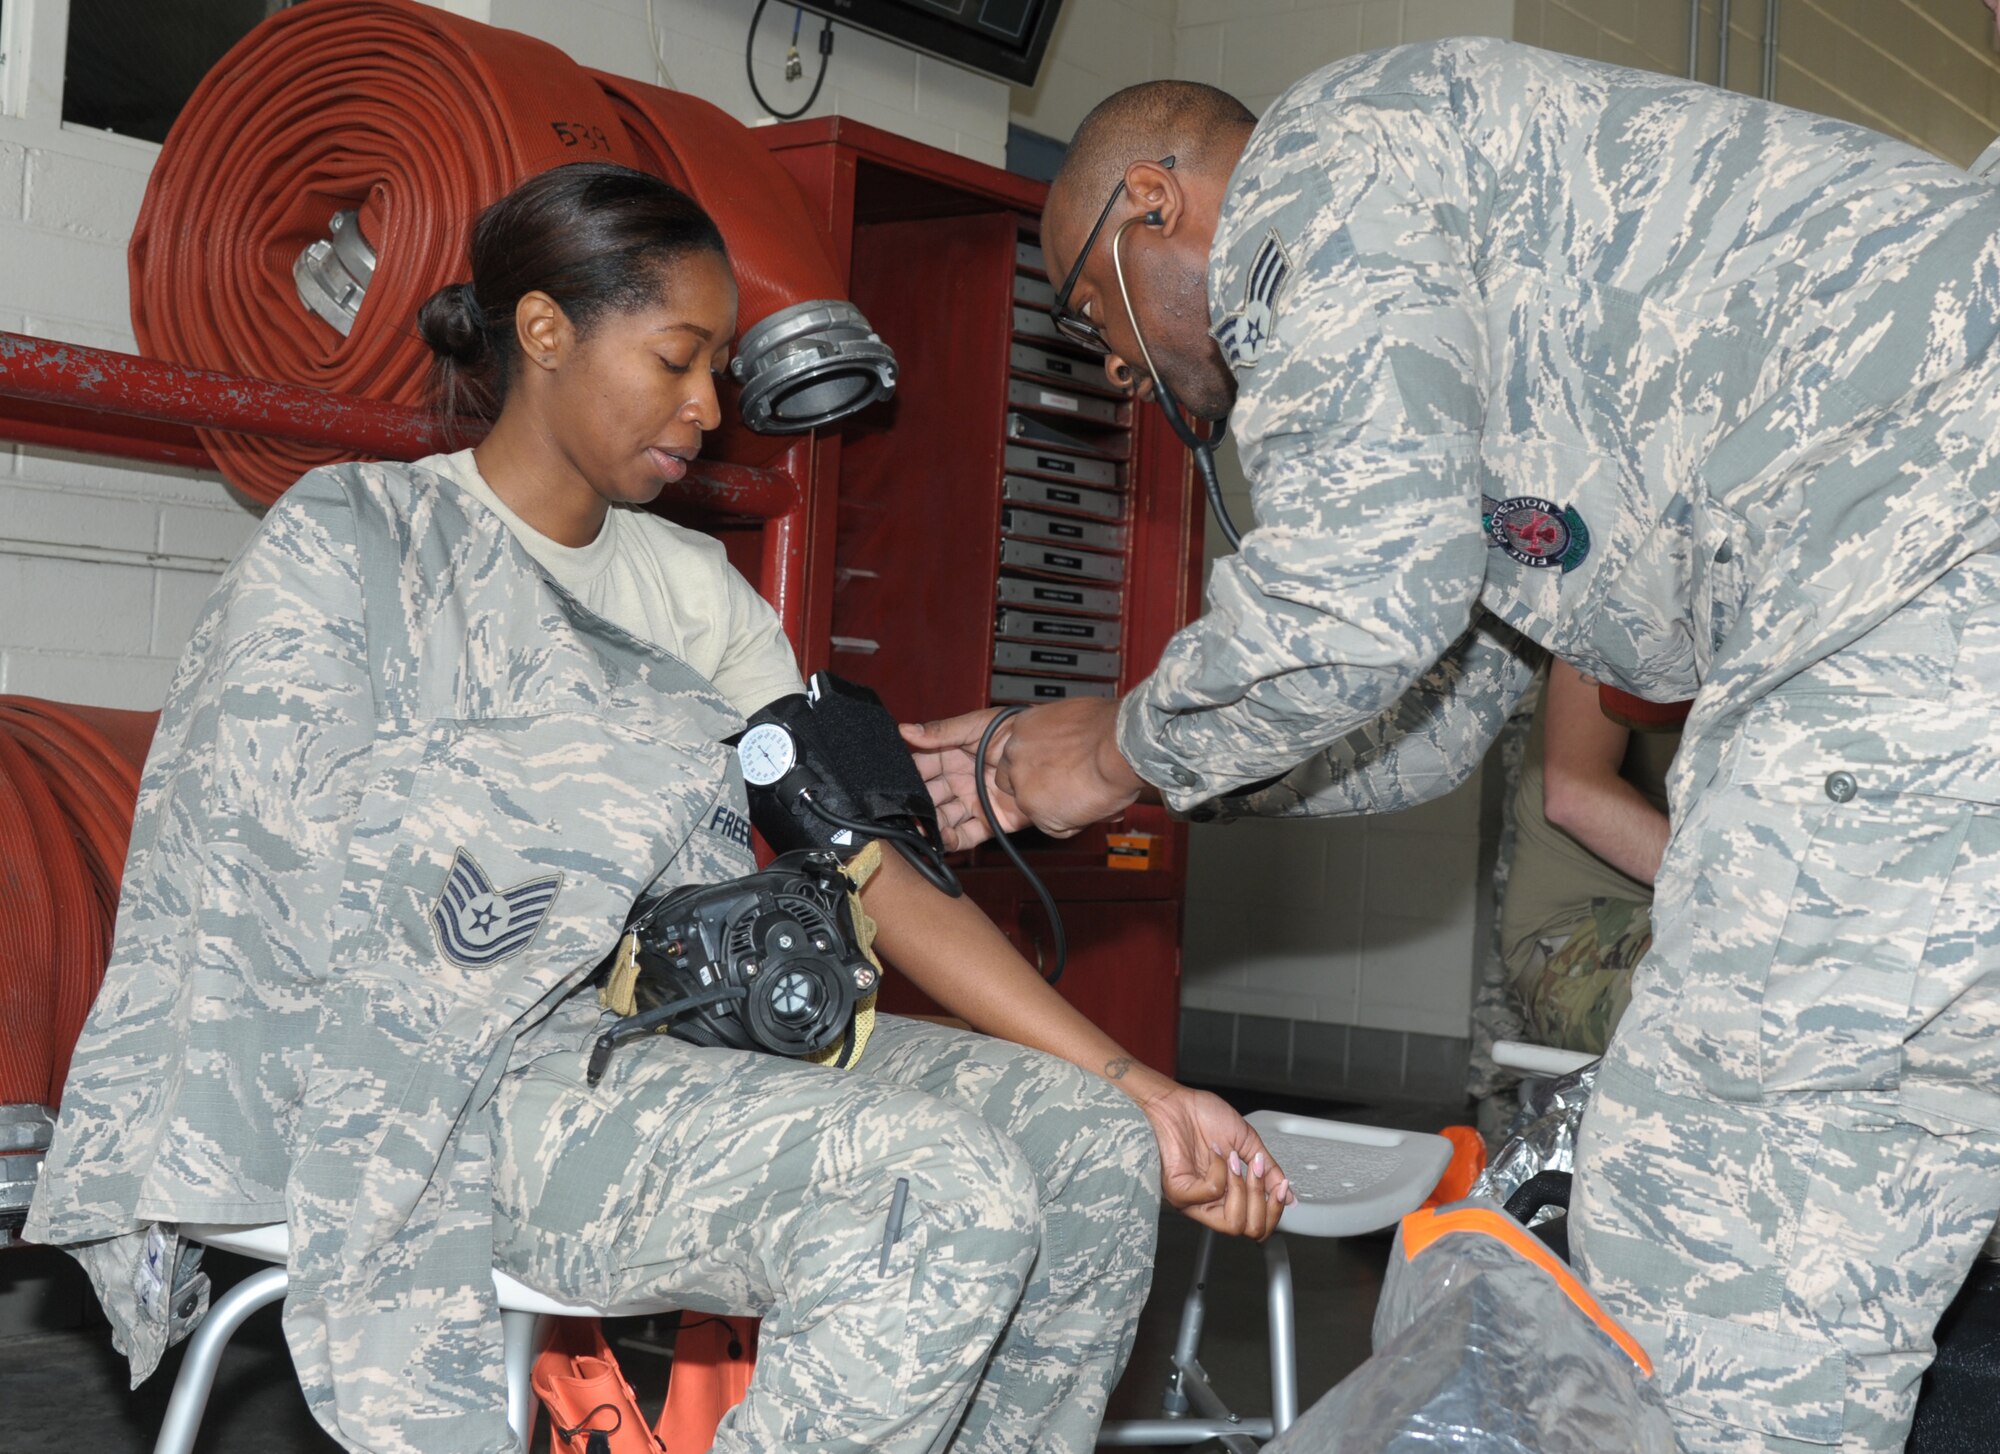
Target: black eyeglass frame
point(1074, 326)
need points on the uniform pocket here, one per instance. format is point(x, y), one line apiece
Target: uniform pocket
point(1837, 995)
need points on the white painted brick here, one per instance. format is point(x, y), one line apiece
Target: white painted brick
point(1416, 964)
point(864, 109)
point(13, 179)
point(60, 275)
point(137, 683)
point(1204, 12)
point(211, 534)
point(1381, 24)
point(101, 474)
point(68, 517)
point(955, 97)
point(83, 197)
point(1272, 863)
point(1254, 60)
point(1437, 19)
point(111, 331)
point(978, 149)
point(69, 605)
point(1312, 37)
point(1198, 54)
point(1064, 97)
point(178, 599)
point(1414, 1019)
point(1279, 1004)
point(1423, 875)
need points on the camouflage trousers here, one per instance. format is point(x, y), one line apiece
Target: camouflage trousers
point(996, 1318)
point(1793, 1152)
point(1574, 984)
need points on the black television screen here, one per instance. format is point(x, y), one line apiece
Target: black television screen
point(1004, 38)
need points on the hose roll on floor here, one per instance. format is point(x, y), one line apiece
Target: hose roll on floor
point(69, 782)
point(410, 118)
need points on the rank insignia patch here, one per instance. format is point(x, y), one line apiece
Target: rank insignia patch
point(1245, 332)
point(1536, 532)
point(476, 925)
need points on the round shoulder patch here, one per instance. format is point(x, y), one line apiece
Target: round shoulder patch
point(1538, 533)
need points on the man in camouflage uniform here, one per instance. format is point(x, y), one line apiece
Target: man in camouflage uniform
point(403, 798)
point(1701, 395)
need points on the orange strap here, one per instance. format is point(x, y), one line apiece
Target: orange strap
point(1422, 1228)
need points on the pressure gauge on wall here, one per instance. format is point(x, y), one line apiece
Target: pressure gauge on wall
point(766, 753)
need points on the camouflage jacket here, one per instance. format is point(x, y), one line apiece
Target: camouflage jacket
point(403, 795)
point(1687, 388)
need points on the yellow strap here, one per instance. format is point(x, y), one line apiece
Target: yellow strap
point(618, 992)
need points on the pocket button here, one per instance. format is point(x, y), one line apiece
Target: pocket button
point(1841, 786)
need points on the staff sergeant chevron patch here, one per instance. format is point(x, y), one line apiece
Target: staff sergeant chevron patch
point(476, 925)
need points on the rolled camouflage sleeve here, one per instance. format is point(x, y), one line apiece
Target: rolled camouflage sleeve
point(1420, 749)
point(1343, 289)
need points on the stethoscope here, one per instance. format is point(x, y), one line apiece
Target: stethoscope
point(1203, 450)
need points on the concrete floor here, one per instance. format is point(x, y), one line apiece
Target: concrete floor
point(64, 1387)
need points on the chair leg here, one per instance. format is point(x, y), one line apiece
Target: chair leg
point(1284, 1360)
point(204, 1355)
point(1187, 1343)
point(524, 1334)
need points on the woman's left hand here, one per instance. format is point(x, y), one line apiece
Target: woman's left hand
point(1214, 1167)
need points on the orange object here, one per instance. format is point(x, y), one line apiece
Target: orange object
point(1468, 1159)
point(1423, 1227)
point(1130, 851)
point(579, 1382)
point(1640, 715)
point(713, 1361)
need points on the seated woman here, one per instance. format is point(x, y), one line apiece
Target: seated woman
point(1590, 814)
point(489, 674)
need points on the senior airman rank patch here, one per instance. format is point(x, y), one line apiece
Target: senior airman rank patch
point(1244, 333)
point(1536, 532)
point(476, 926)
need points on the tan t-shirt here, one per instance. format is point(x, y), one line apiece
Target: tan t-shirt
point(665, 584)
point(1553, 878)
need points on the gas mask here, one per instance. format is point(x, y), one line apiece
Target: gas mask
point(772, 961)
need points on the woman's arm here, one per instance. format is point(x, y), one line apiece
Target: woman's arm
point(1213, 1167)
point(1582, 792)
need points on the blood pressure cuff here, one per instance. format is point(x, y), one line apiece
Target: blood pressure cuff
point(851, 761)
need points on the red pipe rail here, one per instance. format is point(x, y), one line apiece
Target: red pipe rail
point(92, 399)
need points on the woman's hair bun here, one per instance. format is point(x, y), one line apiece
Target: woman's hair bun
point(453, 324)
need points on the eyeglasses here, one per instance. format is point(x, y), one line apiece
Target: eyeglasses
point(1069, 323)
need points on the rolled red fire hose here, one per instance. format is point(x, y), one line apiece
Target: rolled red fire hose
point(69, 780)
point(712, 157)
point(415, 117)
point(416, 120)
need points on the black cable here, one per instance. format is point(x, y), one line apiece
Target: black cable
point(1204, 458)
point(1007, 844)
point(750, 70)
point(924, 856)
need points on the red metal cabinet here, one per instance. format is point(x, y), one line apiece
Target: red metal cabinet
point(902, 555)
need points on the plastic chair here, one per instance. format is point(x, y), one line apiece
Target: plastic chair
point(521, 1312)
point(1543, 1062)
point(1350, 1180)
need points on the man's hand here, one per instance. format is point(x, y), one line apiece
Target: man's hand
point(944, 755)
point(1056, 766)
point(1214, 1167)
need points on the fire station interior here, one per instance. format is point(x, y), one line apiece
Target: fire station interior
point(218, 221)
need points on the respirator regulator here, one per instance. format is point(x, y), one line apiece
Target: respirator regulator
point(772, 962)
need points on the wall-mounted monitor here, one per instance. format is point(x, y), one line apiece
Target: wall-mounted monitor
point(1004, 38)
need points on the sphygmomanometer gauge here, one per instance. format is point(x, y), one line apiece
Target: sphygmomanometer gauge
point(766, 753)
